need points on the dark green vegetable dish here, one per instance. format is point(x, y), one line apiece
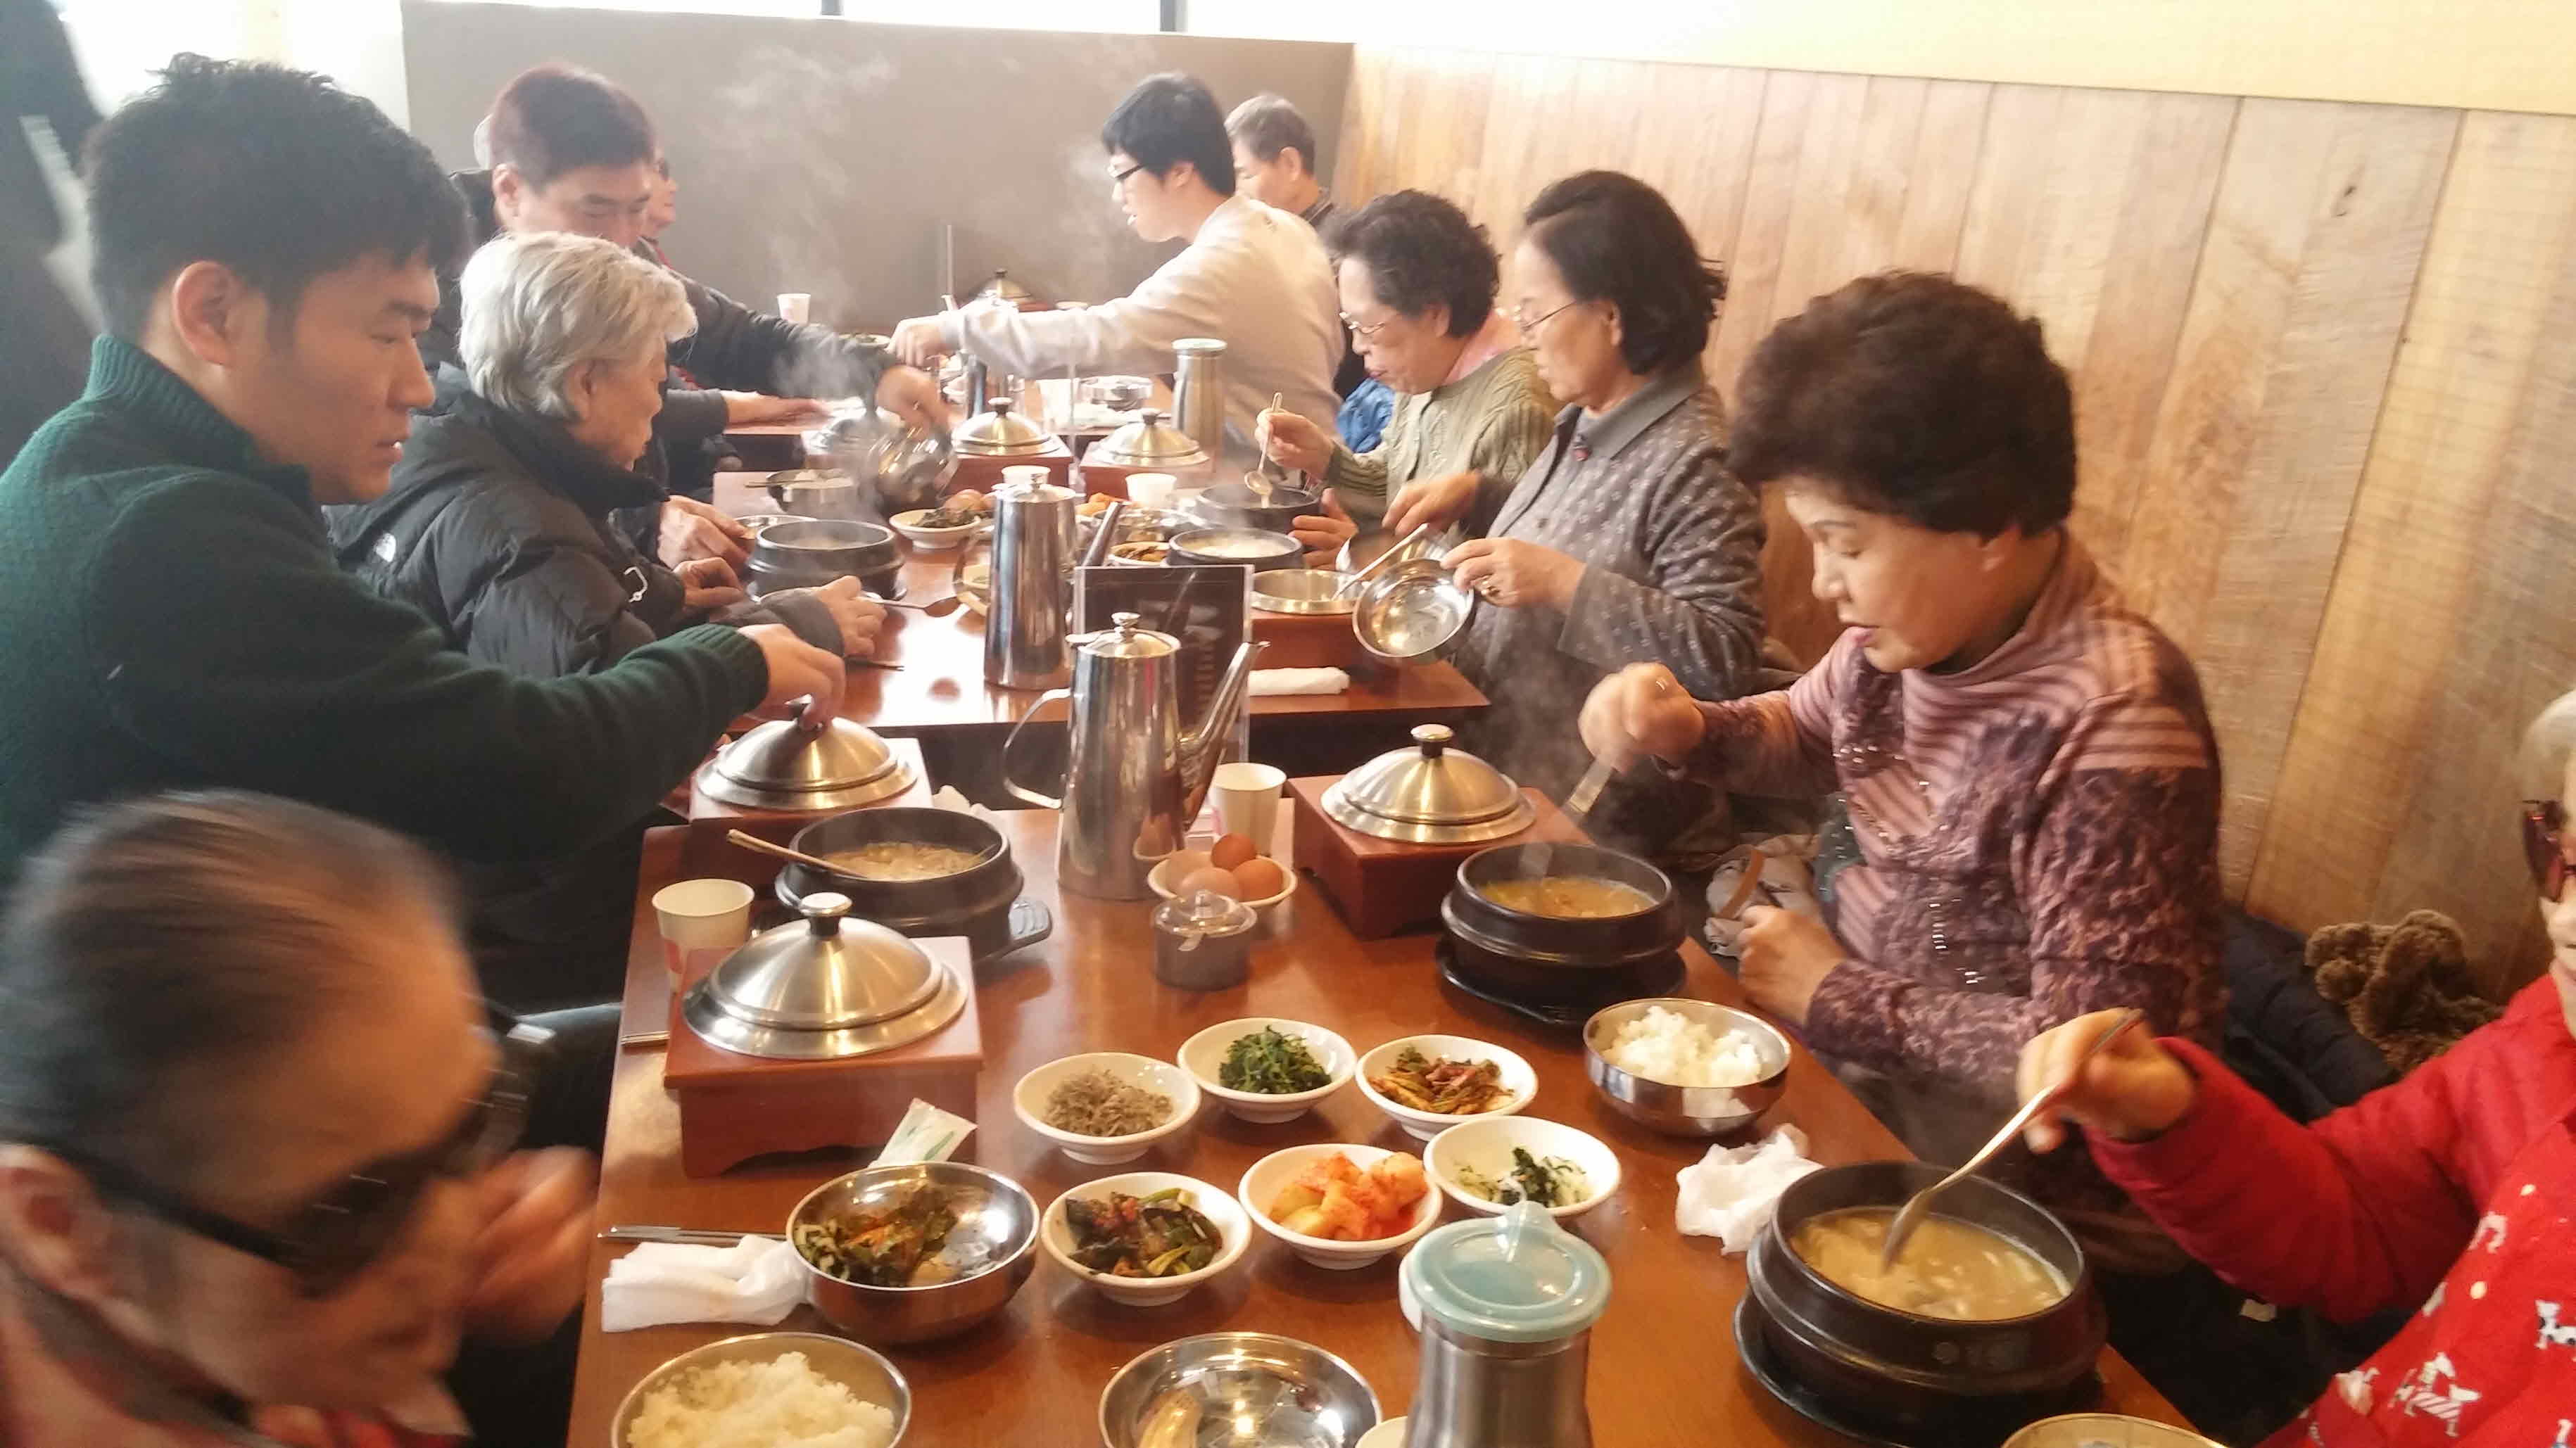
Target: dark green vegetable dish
point(1271, 1063)
point(1554, 1182)
point(882, 1248)
point(1160, 1235)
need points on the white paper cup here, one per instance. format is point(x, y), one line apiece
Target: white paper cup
point(1024, 473)
point(796, 306)
point(702, 921)
point(1152, 490)
point(1247, 801)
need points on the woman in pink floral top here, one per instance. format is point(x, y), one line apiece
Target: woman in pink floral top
point(2031, 779)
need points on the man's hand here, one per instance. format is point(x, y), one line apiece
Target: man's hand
point(798, 670)
point(758, 409)
point(692, 530)
point(1322, 535)
point(920, 341)
point(915, 397)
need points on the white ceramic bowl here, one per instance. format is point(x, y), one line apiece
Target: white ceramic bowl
point(1233, 1228)
point(1275, 1171)
point(1484, 1144)
point(909, 525)
point(1517, 1078)
point(1203, 1053)
point(1029, 1099)
point(1164, 877)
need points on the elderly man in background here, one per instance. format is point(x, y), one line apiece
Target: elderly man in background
point(498, 527)
point(1274, 164)
point(572, 151)
point(1251, 276)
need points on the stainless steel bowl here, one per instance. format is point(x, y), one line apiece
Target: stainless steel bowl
point(1260, 1391)
point(1701, 1111)
point(993, 1249)
point(1412, 612)
point(1301, 590)
point(868, 1376)
point(1252, 548)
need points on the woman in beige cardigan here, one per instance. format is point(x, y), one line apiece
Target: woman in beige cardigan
point(1417, 284)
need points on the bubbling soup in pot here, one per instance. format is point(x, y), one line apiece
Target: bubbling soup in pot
point(1949, 1268)
point(902, 860)
point(1568, 897)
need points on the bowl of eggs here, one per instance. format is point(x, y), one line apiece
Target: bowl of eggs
point(1231, 867)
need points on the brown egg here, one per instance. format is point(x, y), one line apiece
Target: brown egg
point(1260, 878)
point(1230, 851)
point(968, 499)
point(1221, 882)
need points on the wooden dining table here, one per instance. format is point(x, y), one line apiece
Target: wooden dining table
point(1664, 1366)
point(937, 682)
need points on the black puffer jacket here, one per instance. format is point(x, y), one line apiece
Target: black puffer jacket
point(497, 527)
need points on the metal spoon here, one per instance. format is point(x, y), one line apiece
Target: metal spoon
point(760, 846)
point(936, 608)
point(1352, 579)
point(1915, 1210)
point(692, 1236)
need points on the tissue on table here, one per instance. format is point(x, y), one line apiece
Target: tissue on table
point(757, 1280)
point(1269, 682)
point(1730, 1194)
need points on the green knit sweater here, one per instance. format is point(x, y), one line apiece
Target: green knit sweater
point(170, 616)
point(1494, 422)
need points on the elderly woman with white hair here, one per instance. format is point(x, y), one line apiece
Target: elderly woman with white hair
point(2449, 1189)
point(497, 526)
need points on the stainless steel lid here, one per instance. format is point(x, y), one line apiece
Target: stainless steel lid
point(1004, 290)
point(1430, 794)
point(1125, 639)
point(1000, 432)
point(779, 765)
point(824, 988)
point(1149, 442)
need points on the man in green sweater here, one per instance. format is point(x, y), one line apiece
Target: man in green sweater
point(266, 250)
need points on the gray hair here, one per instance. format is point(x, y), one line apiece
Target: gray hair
point(539, 304)
point(2545, 747)
point(1268, 124)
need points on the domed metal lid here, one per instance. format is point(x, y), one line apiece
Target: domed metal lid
point(1429, 794)
point(1125, 639)
point(1149, 442)
point(781, 765)
point(825, 987)
point(1000, 432)
point(1004, 290)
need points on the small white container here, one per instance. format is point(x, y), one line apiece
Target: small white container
point(1234, 1229)
point(1270, 1175)
point(1201, 1055)
point(1484, 1144)
point(1029, 1099)
point(1518, 1078)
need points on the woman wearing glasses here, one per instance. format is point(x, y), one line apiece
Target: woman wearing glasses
point(2450, 1189)
point(253, 1136)
point(1417, 284)
point(1627, 540)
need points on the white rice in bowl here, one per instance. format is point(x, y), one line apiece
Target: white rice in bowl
point(782, 1403)
point(1667, 1046)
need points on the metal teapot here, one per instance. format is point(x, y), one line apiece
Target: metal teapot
point(897, 466)
point(1133, 778)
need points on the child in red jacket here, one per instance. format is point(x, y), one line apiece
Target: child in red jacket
point(2453, 1189)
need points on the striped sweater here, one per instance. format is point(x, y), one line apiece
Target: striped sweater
point(2038, 838)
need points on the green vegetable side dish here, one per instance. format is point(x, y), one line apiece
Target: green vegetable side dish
point(1160, 1235)
point(1271, 1063)
point(1555, 1182)
point(880, 1248)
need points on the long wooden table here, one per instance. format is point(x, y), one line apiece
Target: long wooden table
point(1664, 1365)
point(939, 682)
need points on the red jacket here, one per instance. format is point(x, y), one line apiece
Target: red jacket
point(2454, 1188)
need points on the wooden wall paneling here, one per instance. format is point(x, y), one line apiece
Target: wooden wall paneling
point(2314, 244)
point(1694, 128)
point(2446, 627)
point(1368, 130)
point(2088, 213)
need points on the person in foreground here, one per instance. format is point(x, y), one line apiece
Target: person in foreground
point(2450, 1189)
point(266, 249)
point(1251, 277)
point(1629, 538)
point(497, 527)
point(255, 1173)
point(1418, 281)
point(2032, 781)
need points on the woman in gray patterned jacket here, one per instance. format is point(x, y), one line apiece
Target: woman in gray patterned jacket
point(1628, 540)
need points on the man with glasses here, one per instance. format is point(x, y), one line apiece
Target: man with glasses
point(1251, 276)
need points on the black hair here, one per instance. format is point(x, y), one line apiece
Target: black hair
point(1917, 396)
point(554, 118)
point(154, 944)
point(278, 174)
point(1421, 250)
point(1268, 124)
point(1168, 119)
point(1615, 239)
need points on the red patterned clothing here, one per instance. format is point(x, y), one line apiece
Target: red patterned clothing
point(2454, 1188)
point(2038, 838)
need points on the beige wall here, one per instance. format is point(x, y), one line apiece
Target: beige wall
point(2323, 396)
point(2488, 54)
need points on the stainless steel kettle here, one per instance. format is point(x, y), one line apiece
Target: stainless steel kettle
point(1133, 778)
point(1034, 528)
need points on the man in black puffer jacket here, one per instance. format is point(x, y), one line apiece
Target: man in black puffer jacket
point(498, 528)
